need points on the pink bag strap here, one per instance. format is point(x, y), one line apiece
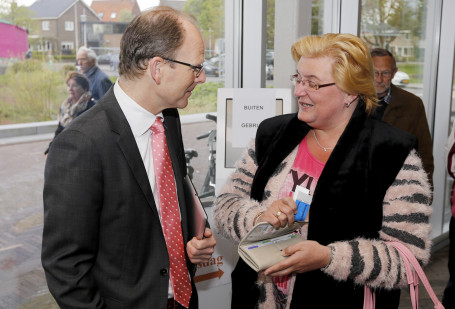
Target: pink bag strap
point(413, 272)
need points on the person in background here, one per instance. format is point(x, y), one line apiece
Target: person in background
point(99, 81)
point(117, 220)
point(401, 108)
point(79, 100)
point(448, 299)
point(361, 198)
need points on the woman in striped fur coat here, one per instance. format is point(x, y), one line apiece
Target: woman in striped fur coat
point(365, 177)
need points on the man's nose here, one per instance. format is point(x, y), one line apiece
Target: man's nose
point(201, 78)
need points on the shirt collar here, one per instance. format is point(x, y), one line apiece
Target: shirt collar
point(138, 117)
point(91, 71)
point(388, 96)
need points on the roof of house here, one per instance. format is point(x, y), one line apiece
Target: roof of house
point(53, 8)
point(106, 8)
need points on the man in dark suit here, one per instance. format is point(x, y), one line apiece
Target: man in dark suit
point(103, 241)
point(401, 108)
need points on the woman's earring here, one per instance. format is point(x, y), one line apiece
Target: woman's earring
point(349, 104)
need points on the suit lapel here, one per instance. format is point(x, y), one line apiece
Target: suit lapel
point(127, 144)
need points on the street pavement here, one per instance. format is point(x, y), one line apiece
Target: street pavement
point(22, 281)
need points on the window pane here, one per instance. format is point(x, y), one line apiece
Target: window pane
point(46, 25)
point(69, 25)
point(398, 26)
point(270, 43)
point(449, 180)
point(210, 19)
point(317, 17)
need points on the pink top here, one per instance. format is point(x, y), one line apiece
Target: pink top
point(305, 171)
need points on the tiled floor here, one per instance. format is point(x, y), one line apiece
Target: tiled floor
point(22, 282)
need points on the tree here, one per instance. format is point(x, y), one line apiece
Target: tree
point(17, 15)
point(270, 35)
point(210, 18)
point(317, 19)
point(384, 20)
point(125, 16)
point(376, 18)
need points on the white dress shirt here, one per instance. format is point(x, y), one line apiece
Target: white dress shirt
point(140, 121)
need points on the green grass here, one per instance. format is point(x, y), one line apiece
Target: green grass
point(414, 70)
point(203, 99)
point(32, 91)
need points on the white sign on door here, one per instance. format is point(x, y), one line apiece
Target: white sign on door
point(250, 107)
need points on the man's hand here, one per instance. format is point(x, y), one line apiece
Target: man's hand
point(201, 250)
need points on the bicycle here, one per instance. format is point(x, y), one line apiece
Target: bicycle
point(190, 153)
point(208, 187)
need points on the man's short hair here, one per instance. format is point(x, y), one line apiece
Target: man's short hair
point(91, 55)
point(382, 52)
point(154, 33)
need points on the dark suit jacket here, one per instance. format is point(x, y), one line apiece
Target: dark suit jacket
point(407, 112)
point(103, 245)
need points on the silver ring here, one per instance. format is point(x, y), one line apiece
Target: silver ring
point(278, 214)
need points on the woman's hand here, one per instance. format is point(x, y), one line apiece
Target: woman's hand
point(302, 257)
point(280, 213)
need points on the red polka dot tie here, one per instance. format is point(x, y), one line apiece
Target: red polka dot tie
point(170, 215)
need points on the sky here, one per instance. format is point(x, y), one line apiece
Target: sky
point(143, 4)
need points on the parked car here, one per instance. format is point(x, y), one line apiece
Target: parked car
point(216, 62)
point(210, 69)
point(269, 71)
point(104, 59)
point(114, 61)
point(400, 79)
point(269, 57)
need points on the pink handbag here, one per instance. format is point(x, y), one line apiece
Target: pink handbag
point(413, 274)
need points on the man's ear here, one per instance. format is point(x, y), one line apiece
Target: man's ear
point(394, 71)
point(154, 68)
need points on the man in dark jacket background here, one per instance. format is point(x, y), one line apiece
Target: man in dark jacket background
point(401, 108)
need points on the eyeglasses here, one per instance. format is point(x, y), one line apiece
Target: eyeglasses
point(385, 74)
point(308, 84)
point(197, 69)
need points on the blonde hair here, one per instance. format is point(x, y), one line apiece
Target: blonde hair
point(352, 68)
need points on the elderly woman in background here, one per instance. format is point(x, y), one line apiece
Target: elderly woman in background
point(79, 100)
point(365, 177)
